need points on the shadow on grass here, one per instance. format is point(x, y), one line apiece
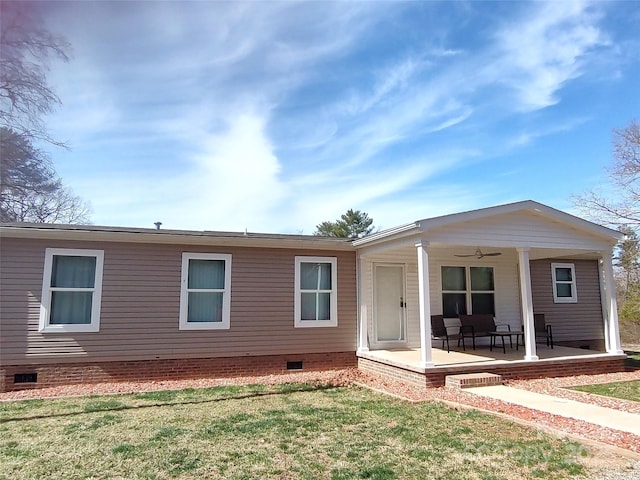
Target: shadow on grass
point(112, 405)
point(633, 360)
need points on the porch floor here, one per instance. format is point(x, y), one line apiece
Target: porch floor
point(410, 357)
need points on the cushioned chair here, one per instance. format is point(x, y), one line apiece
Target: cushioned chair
point(439, 332)
point(542, 329)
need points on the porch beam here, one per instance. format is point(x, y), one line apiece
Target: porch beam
point(526, 297)
point(612, 330)
point(424, 299)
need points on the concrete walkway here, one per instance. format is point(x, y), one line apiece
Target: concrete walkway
point(605, 417)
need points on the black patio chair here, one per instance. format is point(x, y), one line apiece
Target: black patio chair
point(439, 332)
point(542, 329)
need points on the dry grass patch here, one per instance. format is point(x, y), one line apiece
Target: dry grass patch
point(275, 432)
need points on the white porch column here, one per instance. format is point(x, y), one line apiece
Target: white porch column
point(526, 299)
point(612, 331)
point(363, 333)
point(426, 358)
point(603, 304)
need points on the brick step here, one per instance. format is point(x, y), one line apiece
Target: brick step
point(470, 380)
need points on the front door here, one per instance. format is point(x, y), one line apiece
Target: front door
point(390, 319)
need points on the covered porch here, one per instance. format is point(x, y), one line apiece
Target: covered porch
point(508, 261)
point(405, 364)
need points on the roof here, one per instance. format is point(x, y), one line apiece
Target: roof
point(274, 240)
point(152, 235)
point(424, 225)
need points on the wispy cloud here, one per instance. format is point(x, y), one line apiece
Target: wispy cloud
point(539, 55)
point(278, 115)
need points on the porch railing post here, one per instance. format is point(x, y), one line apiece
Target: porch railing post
point(426, 358)
point(613, 327)
point(527, 305)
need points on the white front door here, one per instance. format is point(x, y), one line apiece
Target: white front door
point(390, 304)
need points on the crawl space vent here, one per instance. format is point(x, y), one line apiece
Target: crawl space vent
point(294, 365)
point(25, 378)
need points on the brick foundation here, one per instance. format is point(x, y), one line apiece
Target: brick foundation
point(169, 369)
point(435, 377)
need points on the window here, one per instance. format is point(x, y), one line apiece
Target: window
point(71, 290)
point(316, 303)
point(564, 283)
point(205, 296)
point(467, 289)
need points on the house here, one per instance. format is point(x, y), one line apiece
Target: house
point(82, 303)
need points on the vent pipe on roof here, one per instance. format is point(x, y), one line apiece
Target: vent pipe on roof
point(157, 224)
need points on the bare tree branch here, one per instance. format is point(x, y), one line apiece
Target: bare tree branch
point(26, 49)
point(30, 189)
point(625, 177)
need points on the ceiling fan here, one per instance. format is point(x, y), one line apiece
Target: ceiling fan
point(478, 254)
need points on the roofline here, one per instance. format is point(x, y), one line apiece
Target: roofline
point(424, 225)
point(391, 233)
point(559, 215)
point(164, 236)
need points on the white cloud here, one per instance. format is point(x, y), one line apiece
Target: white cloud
point(532, 134)
point(538, 55)
point(236, 175)
point(276, 116)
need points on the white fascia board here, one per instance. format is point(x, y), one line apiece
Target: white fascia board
point(389, 234)
point(527, 205)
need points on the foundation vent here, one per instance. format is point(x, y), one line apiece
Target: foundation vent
point(294, 365)
point(25, 378)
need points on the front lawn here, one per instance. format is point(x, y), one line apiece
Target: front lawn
point(623, 390)
point(279, 432)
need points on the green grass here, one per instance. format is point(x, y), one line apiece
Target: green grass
point(623, 390)
point(285, 432)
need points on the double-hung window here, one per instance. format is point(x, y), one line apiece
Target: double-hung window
point(71, 290)
point(316, 287)
point(205, 296)
point(564, 283)
point(467, 290)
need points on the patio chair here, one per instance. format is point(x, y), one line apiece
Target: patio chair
point(542, 329)
point(439, 332)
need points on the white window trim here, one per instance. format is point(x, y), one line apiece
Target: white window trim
point(574, 291)
point(333, 322)
point(45, 302)
point(184, 293)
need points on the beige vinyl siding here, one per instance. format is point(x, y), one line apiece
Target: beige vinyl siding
point(570, 321)
point(141, 304)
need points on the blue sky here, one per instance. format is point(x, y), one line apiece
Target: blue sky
point(275, 116)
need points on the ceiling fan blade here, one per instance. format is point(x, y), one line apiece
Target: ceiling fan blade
point(472, 255)
point(495, 254)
